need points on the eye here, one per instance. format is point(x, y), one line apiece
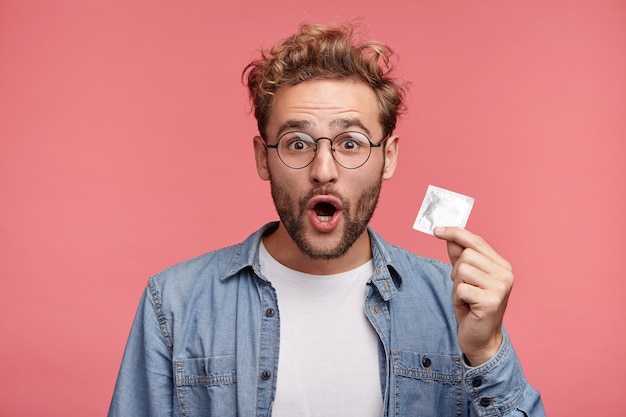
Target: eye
point(296, 142)
point(348, 145)
point(297, 145)
point(350, 142)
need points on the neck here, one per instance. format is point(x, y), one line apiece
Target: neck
point(282, 248)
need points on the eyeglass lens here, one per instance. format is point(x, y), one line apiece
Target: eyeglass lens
point(298, 149)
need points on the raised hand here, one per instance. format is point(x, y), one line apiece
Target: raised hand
point(482, 283)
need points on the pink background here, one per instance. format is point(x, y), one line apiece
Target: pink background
point(126, 146)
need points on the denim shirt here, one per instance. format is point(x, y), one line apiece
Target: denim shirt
point(206, 337)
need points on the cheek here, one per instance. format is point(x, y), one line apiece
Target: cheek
point(275, 169)
point(292, 182)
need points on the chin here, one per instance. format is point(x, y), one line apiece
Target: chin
point(325, 251)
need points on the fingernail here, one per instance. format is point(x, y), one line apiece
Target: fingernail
point(439, 229)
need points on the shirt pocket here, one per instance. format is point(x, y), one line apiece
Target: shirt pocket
point(427, 384)
point(206, 386)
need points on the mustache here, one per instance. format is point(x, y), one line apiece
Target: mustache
point(323, 190)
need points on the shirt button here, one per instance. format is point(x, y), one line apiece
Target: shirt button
point(270, 312)
point(477, 382)
point(426, 362)
point(266, 375)
point(485, 402)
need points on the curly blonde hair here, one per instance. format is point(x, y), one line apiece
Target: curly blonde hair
point(325, 52)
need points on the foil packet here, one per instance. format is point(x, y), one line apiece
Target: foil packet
point(442, 207)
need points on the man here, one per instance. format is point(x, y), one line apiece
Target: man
point(316, 315)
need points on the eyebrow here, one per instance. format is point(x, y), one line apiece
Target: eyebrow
point(350, 123)
point(293, 124)
point(303, 125)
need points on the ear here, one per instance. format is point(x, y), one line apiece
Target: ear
point(260, 156)
point(391, 156)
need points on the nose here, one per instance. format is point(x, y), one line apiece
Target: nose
point(324, 168)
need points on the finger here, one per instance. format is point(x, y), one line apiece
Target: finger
point(480, 291)
point(476, 270)
point(471, 275)
point(466, 295)
point(481, 304)
point(466, 239)
point(454, 251)
point(482, 263)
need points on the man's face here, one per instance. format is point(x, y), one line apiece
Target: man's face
point(324, 207)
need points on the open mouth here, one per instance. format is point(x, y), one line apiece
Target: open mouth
point(324, 211)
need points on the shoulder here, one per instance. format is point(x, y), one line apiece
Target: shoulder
point(193, 275)
point(215, 266)
point(213, 263)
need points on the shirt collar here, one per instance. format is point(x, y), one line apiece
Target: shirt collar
point(385, 277)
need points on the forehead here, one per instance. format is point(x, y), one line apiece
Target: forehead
point(321, 106)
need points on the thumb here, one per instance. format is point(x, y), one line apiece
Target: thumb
point(454, 249)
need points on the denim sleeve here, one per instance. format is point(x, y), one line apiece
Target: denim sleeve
point(499, 388)
point(144, 385)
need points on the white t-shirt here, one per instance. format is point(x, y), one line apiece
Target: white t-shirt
point(328, 362)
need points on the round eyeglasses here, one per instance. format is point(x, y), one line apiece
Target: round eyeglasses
point(350, 150)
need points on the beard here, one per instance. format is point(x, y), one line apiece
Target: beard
point(293, 215)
